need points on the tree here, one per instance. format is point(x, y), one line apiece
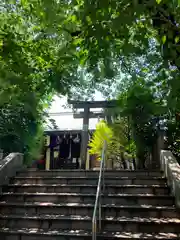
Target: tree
point(110, 27)
point(37, 58)
point(46, 45)
point(141, 105)
point(95, 34)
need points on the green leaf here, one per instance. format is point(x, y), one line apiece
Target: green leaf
point(145, 70)
point(88, 19)
point(158, 1)
point(177, 39)
point(73, 18)
point(164, 39)
point(77, 41)
point(24, 2)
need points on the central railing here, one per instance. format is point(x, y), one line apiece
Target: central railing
point(100, 189)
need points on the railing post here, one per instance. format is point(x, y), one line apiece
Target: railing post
point(100, 211)
point(103, 180)
point(104, 164)
point(98, 204)
point(94, 230)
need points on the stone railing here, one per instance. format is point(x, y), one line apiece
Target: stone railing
point(9, 166)
point(171, 169)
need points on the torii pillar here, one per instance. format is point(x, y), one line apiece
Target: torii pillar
point(86, 115)
point(85, 137)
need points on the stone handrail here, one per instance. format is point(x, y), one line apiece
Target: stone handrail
point(171, 169)
point(9, 166)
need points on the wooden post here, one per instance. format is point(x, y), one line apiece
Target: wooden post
point(87, 161)
point(47, 144)
point(48, 159)
point(108, 119)
point(85, 137)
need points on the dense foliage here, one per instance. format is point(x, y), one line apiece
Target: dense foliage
point(119, 142)
point(34, 62)
point(49, 46)
point(138, 103)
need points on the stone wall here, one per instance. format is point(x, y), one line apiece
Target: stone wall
point(171, 169)
point(9, 166)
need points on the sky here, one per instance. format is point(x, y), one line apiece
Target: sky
point(65, 120)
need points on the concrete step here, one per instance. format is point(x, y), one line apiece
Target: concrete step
point(40, 234)
point(47, 222)
point(136, 236)
point(51, 205)
point(108, 210)
point(83, 188)
point(89, 173)
point(121, 199)
point(146, 180)
point(73, 222)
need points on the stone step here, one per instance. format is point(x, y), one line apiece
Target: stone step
point(146, 180)
point(89, 173)
point(121, 199)
point(83, 188)
point(108, 210)
point(40, 234)
point(73, 222)
point(136, 236)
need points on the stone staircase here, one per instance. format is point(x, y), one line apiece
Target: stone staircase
point(58, 205)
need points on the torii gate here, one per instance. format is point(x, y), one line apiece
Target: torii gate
point(86, 115)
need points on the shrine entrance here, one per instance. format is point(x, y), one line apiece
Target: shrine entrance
point(68, 149)
point(63, 149)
